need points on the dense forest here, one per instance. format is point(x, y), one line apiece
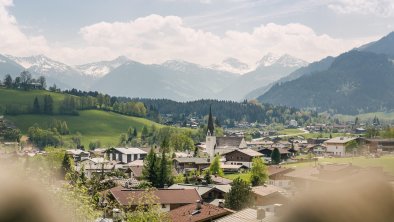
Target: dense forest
point(227, 110)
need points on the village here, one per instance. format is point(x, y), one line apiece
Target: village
point(204, 179)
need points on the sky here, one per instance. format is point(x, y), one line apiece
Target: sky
point(200, 31)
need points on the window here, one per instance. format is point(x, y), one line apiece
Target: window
point(163, 206)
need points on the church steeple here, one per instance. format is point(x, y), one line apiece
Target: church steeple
point(211, 128)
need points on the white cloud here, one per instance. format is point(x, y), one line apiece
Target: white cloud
point(381, 8)
point(13, 40)
point(154, 39)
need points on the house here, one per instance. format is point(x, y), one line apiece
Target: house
point(185, 164)
point(198, 212)
point(316, 149)
point(308, 177)
point(96, 166)
point(284, 153)
point(208, 192)
point(168, 199)
point(135, 172)
point(257, 214)
point(378, 145)
point(360, 130)
point(231, 168)
point(98, 152)
point(125, 155)
point(78, 154)
point(259, 143)
point(337, 146)
point(269, 195)
point(276, 175)
point(241, 157)
point(316, 140)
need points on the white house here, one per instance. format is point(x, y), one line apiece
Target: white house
point(337, 146)
point(125, 155)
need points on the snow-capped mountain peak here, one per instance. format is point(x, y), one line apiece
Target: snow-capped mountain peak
point(285, 60)
point(290, 61)
point(180, 65)
point(99, 69)
point(268, 60)
point(40, 64)
point(232, 65)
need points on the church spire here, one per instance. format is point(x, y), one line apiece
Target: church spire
point(211, 128)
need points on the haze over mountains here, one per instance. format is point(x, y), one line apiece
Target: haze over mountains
point(175, 79)
point(355, 82)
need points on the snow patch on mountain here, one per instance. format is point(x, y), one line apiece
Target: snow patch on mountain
point(232, 65)
point(41, 64)
point(100, 69)
point(285, 60)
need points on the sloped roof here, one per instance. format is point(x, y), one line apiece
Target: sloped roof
point(247, 151)
point(195, 160)
point(137, 170)
point(165, 196)
point(266, 190)
point(76, 152)
point(247, 215)
point(228, 141)
point(341, 140)
point(272, 170)
point(207, 212)
point(250, 152)
point(130, 150)
point(220, 180)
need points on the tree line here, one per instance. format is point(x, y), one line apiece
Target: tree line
point(24, 81)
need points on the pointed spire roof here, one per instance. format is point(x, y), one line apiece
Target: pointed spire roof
point(211, 128)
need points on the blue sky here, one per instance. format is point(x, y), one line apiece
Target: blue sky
point(201, 31)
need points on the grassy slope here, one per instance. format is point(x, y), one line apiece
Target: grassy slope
point(26, 98)
point(92, 124)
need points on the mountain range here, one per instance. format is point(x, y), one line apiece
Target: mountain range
point(174, 79)
point(355, 82)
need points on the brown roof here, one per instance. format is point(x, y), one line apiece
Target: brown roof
point(266, 190)
point(165, 196)
point(246, 151)
point(220, 180)
point(272, 170)
point(137, 170)
point(228, 141)
point(207, 212)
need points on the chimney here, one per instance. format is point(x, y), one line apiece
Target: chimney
point(198, 205)
point(165, 186)
point(260, 213)
point(221, 204)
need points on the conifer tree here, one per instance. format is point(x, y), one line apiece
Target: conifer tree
point(36, 106)
point(275, 156)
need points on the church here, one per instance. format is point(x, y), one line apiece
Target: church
point(220, 145)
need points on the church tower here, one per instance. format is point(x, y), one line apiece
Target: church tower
point(210, 140)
